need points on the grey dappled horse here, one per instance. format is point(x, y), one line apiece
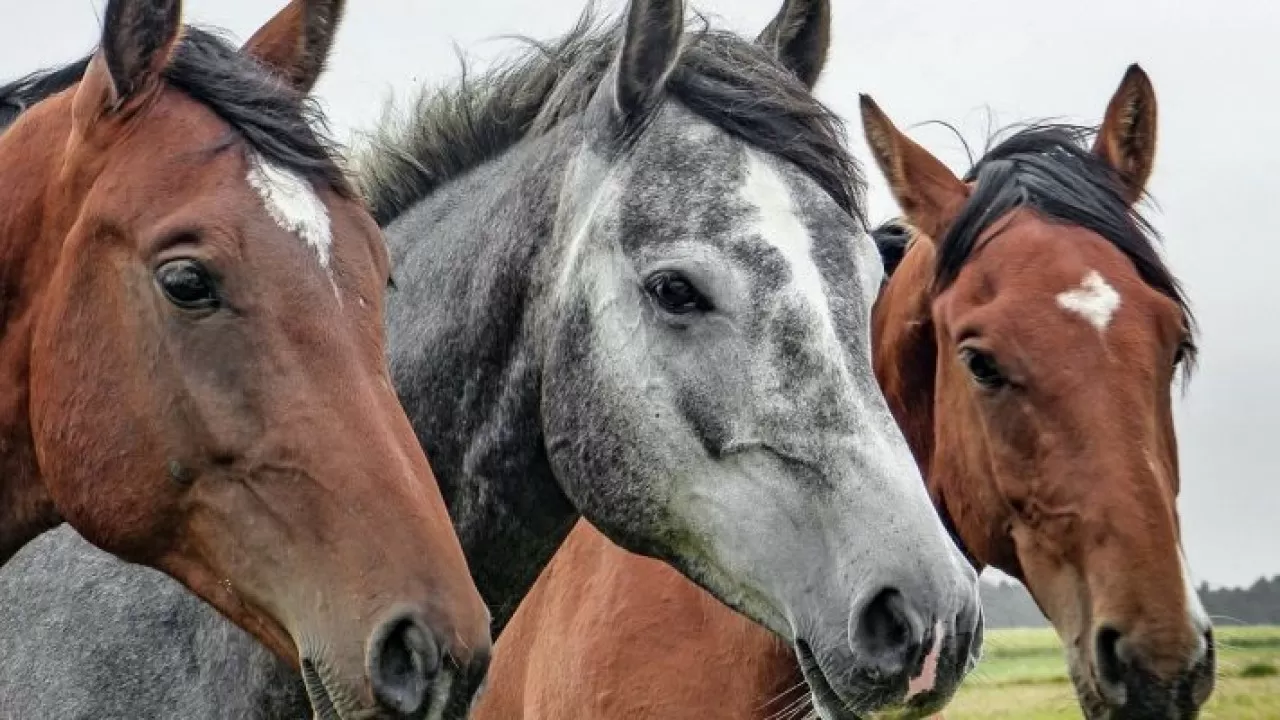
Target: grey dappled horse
point(631, 282)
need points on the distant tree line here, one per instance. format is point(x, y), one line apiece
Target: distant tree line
point(1008, 604)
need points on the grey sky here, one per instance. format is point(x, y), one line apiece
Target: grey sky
point(937, 59)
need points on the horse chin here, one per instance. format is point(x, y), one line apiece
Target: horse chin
point(331, 701)
point(1092, 706)
point(1182, 706)
point(827, 703)
point(441, 692)
point(323, 703)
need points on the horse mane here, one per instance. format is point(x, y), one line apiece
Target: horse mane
point(1051, 169)
point(17, 96)
point(285, 128)
point(732, 83)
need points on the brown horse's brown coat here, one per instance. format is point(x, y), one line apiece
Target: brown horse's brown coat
point(255, 452)
point(610, 635)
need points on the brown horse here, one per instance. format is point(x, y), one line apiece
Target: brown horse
point(192, 363)
point(1028, 356)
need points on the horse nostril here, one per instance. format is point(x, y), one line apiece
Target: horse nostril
point(1204, 672)
point(403, 658)
point(969, 631)
point(1206, 649)
point(889, 633)
point(1113, 668)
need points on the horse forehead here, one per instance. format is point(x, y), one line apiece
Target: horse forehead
point(694, 180)
point(1094, 300)
point(1062, 286)
point(1104, 288)
point(777, 220)
point(293, 204)
point(1077, 270)
point(687, 157)
point(179, 127)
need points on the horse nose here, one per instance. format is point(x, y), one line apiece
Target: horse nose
point(403, 659)
point(1114, 661)
point(1204, 671)
point(889, 634)
point(1124, 679)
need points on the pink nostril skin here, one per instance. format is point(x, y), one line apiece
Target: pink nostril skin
point(924, 682)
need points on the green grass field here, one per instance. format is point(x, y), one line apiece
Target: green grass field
point(1023, 676)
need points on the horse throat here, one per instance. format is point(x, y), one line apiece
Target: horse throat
point(468, 370)
point(26, 264)
point(906, 365)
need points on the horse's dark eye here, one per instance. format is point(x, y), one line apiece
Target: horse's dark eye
point(675, 293)
point(188, 285)
point(982, 366)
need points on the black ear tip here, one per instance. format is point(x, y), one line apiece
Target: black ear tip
point(1135, 73)
point(892, 229)
point(650, 52)
point(137, 36)
point(891, 238)
point(870, 109)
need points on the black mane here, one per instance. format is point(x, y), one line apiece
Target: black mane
point(24, 92)
point(731, 82)
point(1050, 169)
point(288, 130)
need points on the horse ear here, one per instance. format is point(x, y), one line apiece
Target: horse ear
point(1127, 139)
point(929, 194)
point(892, 238)
point(138, 36)
point(297, 41)
point(800, 37)
point(650, 50)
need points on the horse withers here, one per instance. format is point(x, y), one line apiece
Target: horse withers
point(1029, 356)
point(192, 364)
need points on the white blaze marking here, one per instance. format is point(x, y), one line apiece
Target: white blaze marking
point(779, 226)
point(1094, 300)
point(293, 204)
point(1199, 618)
point(1200, 621)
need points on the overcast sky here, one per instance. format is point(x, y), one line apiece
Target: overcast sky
point(1214, 67)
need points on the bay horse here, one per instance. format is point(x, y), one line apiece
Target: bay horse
point(193, 367)
point(632, 283)
point(1029, 356)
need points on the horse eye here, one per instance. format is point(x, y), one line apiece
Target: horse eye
point(675, 294)
point(982, 366)
point(188, 285)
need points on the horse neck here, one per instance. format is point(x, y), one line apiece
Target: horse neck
point(905, 354)
point(461, 331)
point(907, 366)
point(30, 152)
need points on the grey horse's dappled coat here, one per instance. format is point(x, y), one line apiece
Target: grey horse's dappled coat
point(631, 281)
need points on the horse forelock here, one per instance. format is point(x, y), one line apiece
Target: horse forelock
point(1050, 170)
